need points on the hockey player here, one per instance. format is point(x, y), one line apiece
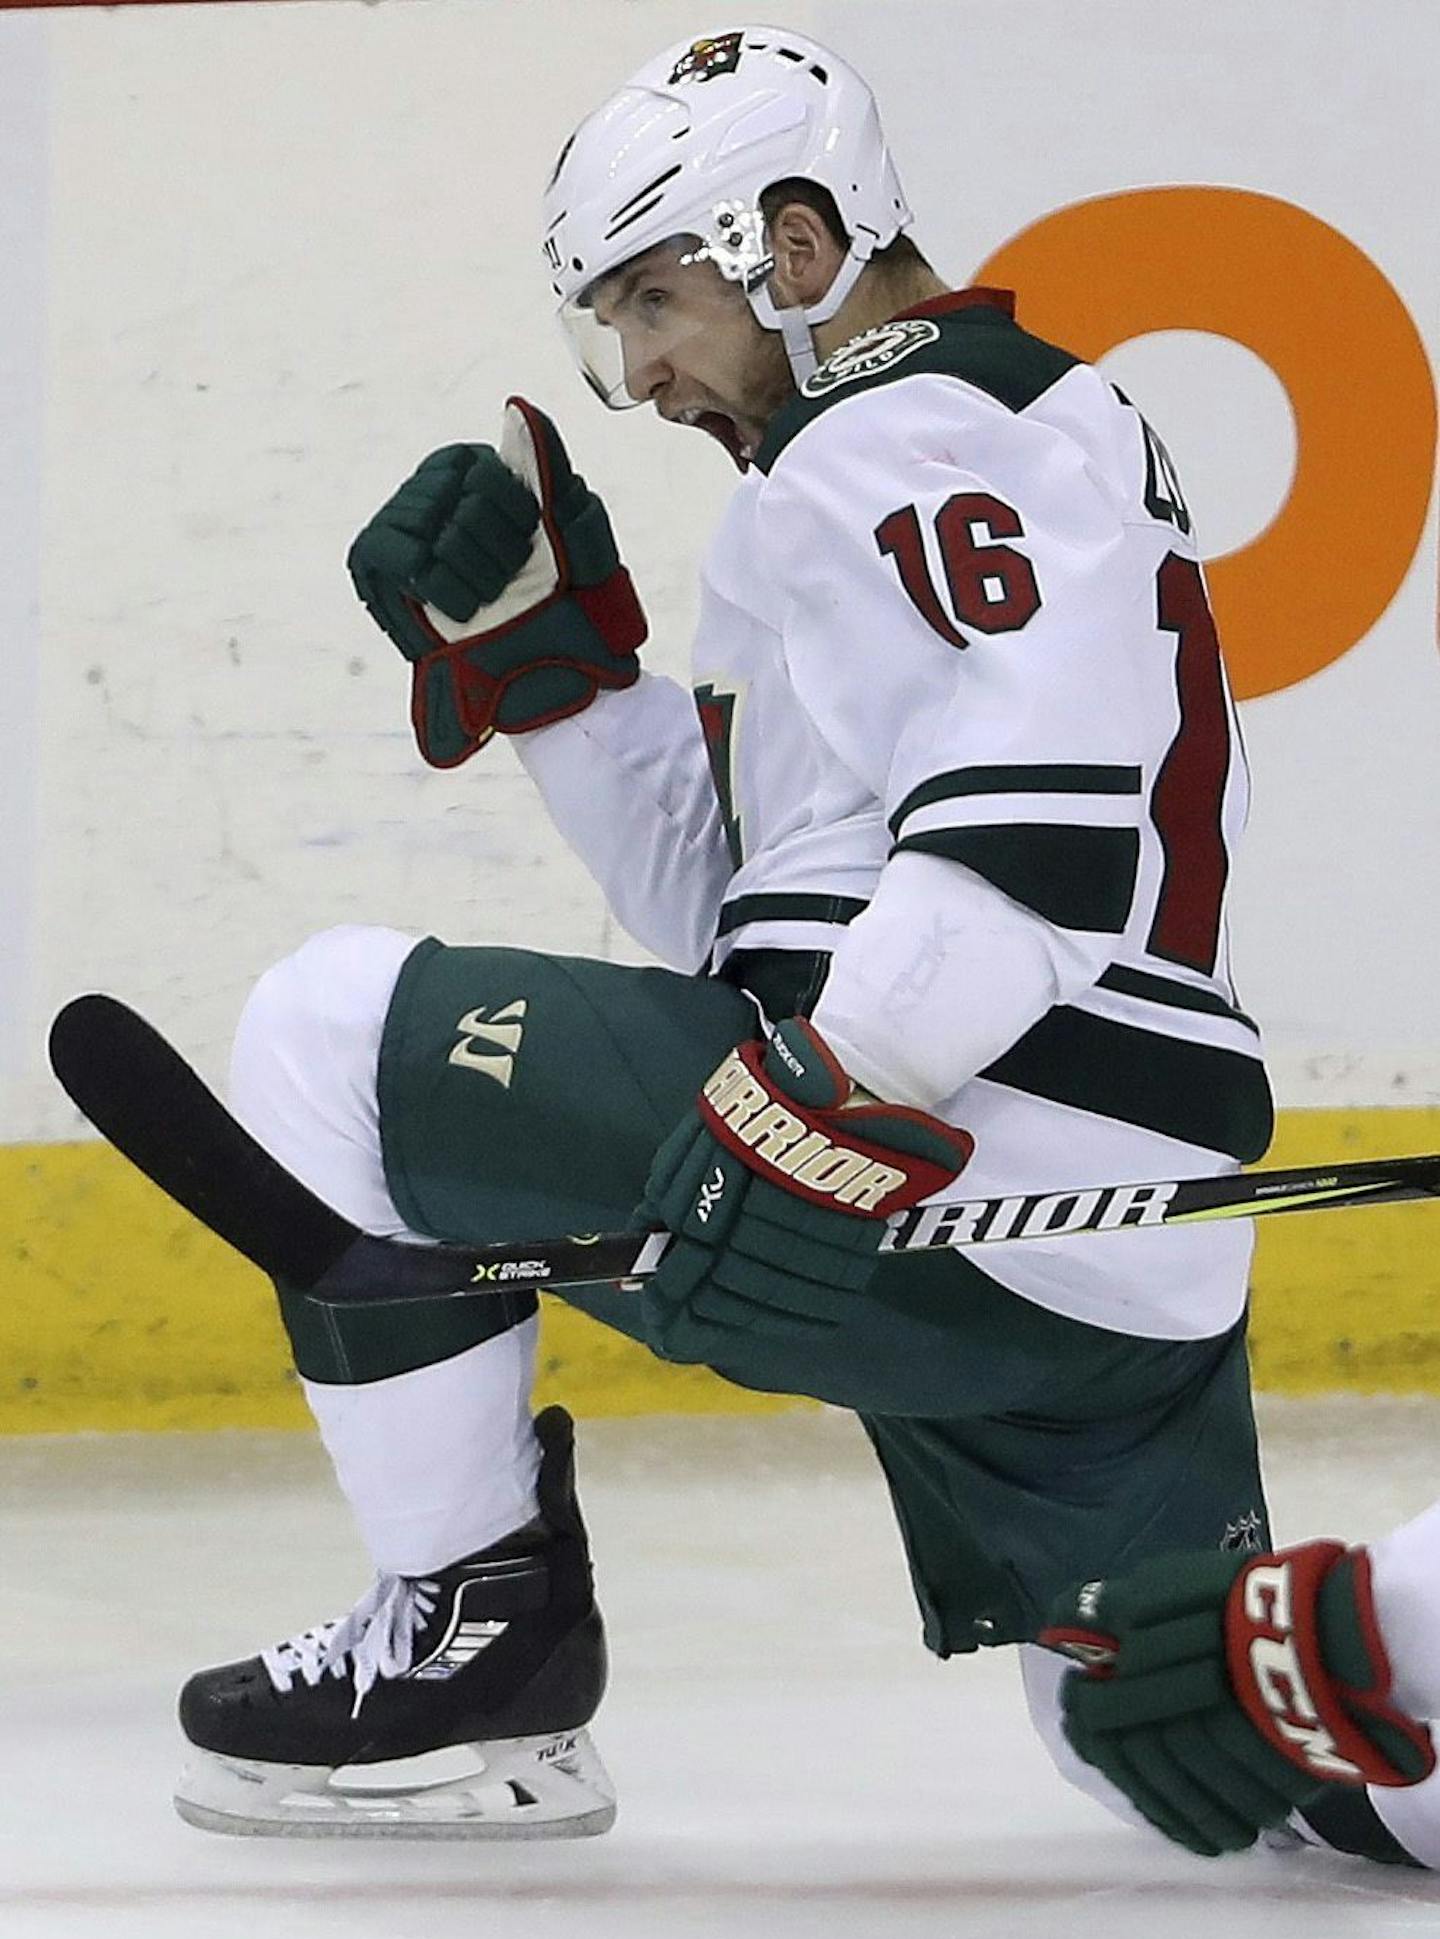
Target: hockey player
point(1222, 1691)
point(937, 851)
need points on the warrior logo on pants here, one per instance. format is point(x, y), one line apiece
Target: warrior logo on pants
point(488, 1042)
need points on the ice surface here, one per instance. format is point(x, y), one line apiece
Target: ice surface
point(789, 1760)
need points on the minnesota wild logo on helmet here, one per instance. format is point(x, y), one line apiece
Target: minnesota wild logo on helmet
point(707, 58)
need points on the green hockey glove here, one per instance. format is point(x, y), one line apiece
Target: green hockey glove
point(496, 574)
point(778, 1184)
point(1222, 1690)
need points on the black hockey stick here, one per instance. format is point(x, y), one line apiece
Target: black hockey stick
point(139, 1091)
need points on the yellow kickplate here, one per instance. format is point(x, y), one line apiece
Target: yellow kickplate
point(119, 1311)
point(1349, 1300)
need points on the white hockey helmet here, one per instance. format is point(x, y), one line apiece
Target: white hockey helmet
point(685, 150)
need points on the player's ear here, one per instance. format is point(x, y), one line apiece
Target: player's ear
point(806, 255)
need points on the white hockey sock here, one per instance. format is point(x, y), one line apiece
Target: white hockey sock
point(1405, 1575)
point(441, 1461)
point(1043, 1673)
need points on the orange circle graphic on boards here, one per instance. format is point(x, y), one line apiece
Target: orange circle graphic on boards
point(1337, 336)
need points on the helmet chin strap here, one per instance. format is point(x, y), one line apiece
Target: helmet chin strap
point(796, 324)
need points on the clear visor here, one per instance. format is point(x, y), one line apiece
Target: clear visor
point(629, 323)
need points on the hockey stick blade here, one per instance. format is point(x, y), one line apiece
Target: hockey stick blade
point(148, 1102)
point(141, 1093)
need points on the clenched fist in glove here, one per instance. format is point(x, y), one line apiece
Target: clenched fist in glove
point(777, 1185)
point(1222, 1690)
point(496, 574)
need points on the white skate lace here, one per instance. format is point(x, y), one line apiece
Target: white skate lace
point(376, 1639)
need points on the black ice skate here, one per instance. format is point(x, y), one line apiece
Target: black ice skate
point(496, 1663)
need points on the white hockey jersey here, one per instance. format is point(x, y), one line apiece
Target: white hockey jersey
point(961, 728)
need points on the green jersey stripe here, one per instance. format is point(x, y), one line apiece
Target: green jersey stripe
point(1219, 1099)
point(1045, 777)
point(1178, 996)
point(1073, 875)
point(788, 908)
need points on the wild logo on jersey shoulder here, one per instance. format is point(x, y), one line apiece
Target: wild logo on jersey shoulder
point(707, 58)
point(871, 352)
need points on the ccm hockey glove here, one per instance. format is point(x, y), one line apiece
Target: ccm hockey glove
point(496, 575)
point(1222, 1690)
point(777, 1185)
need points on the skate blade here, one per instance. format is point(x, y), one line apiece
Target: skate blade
point(524, 1787)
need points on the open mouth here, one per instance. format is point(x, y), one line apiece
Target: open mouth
point(723, 428)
